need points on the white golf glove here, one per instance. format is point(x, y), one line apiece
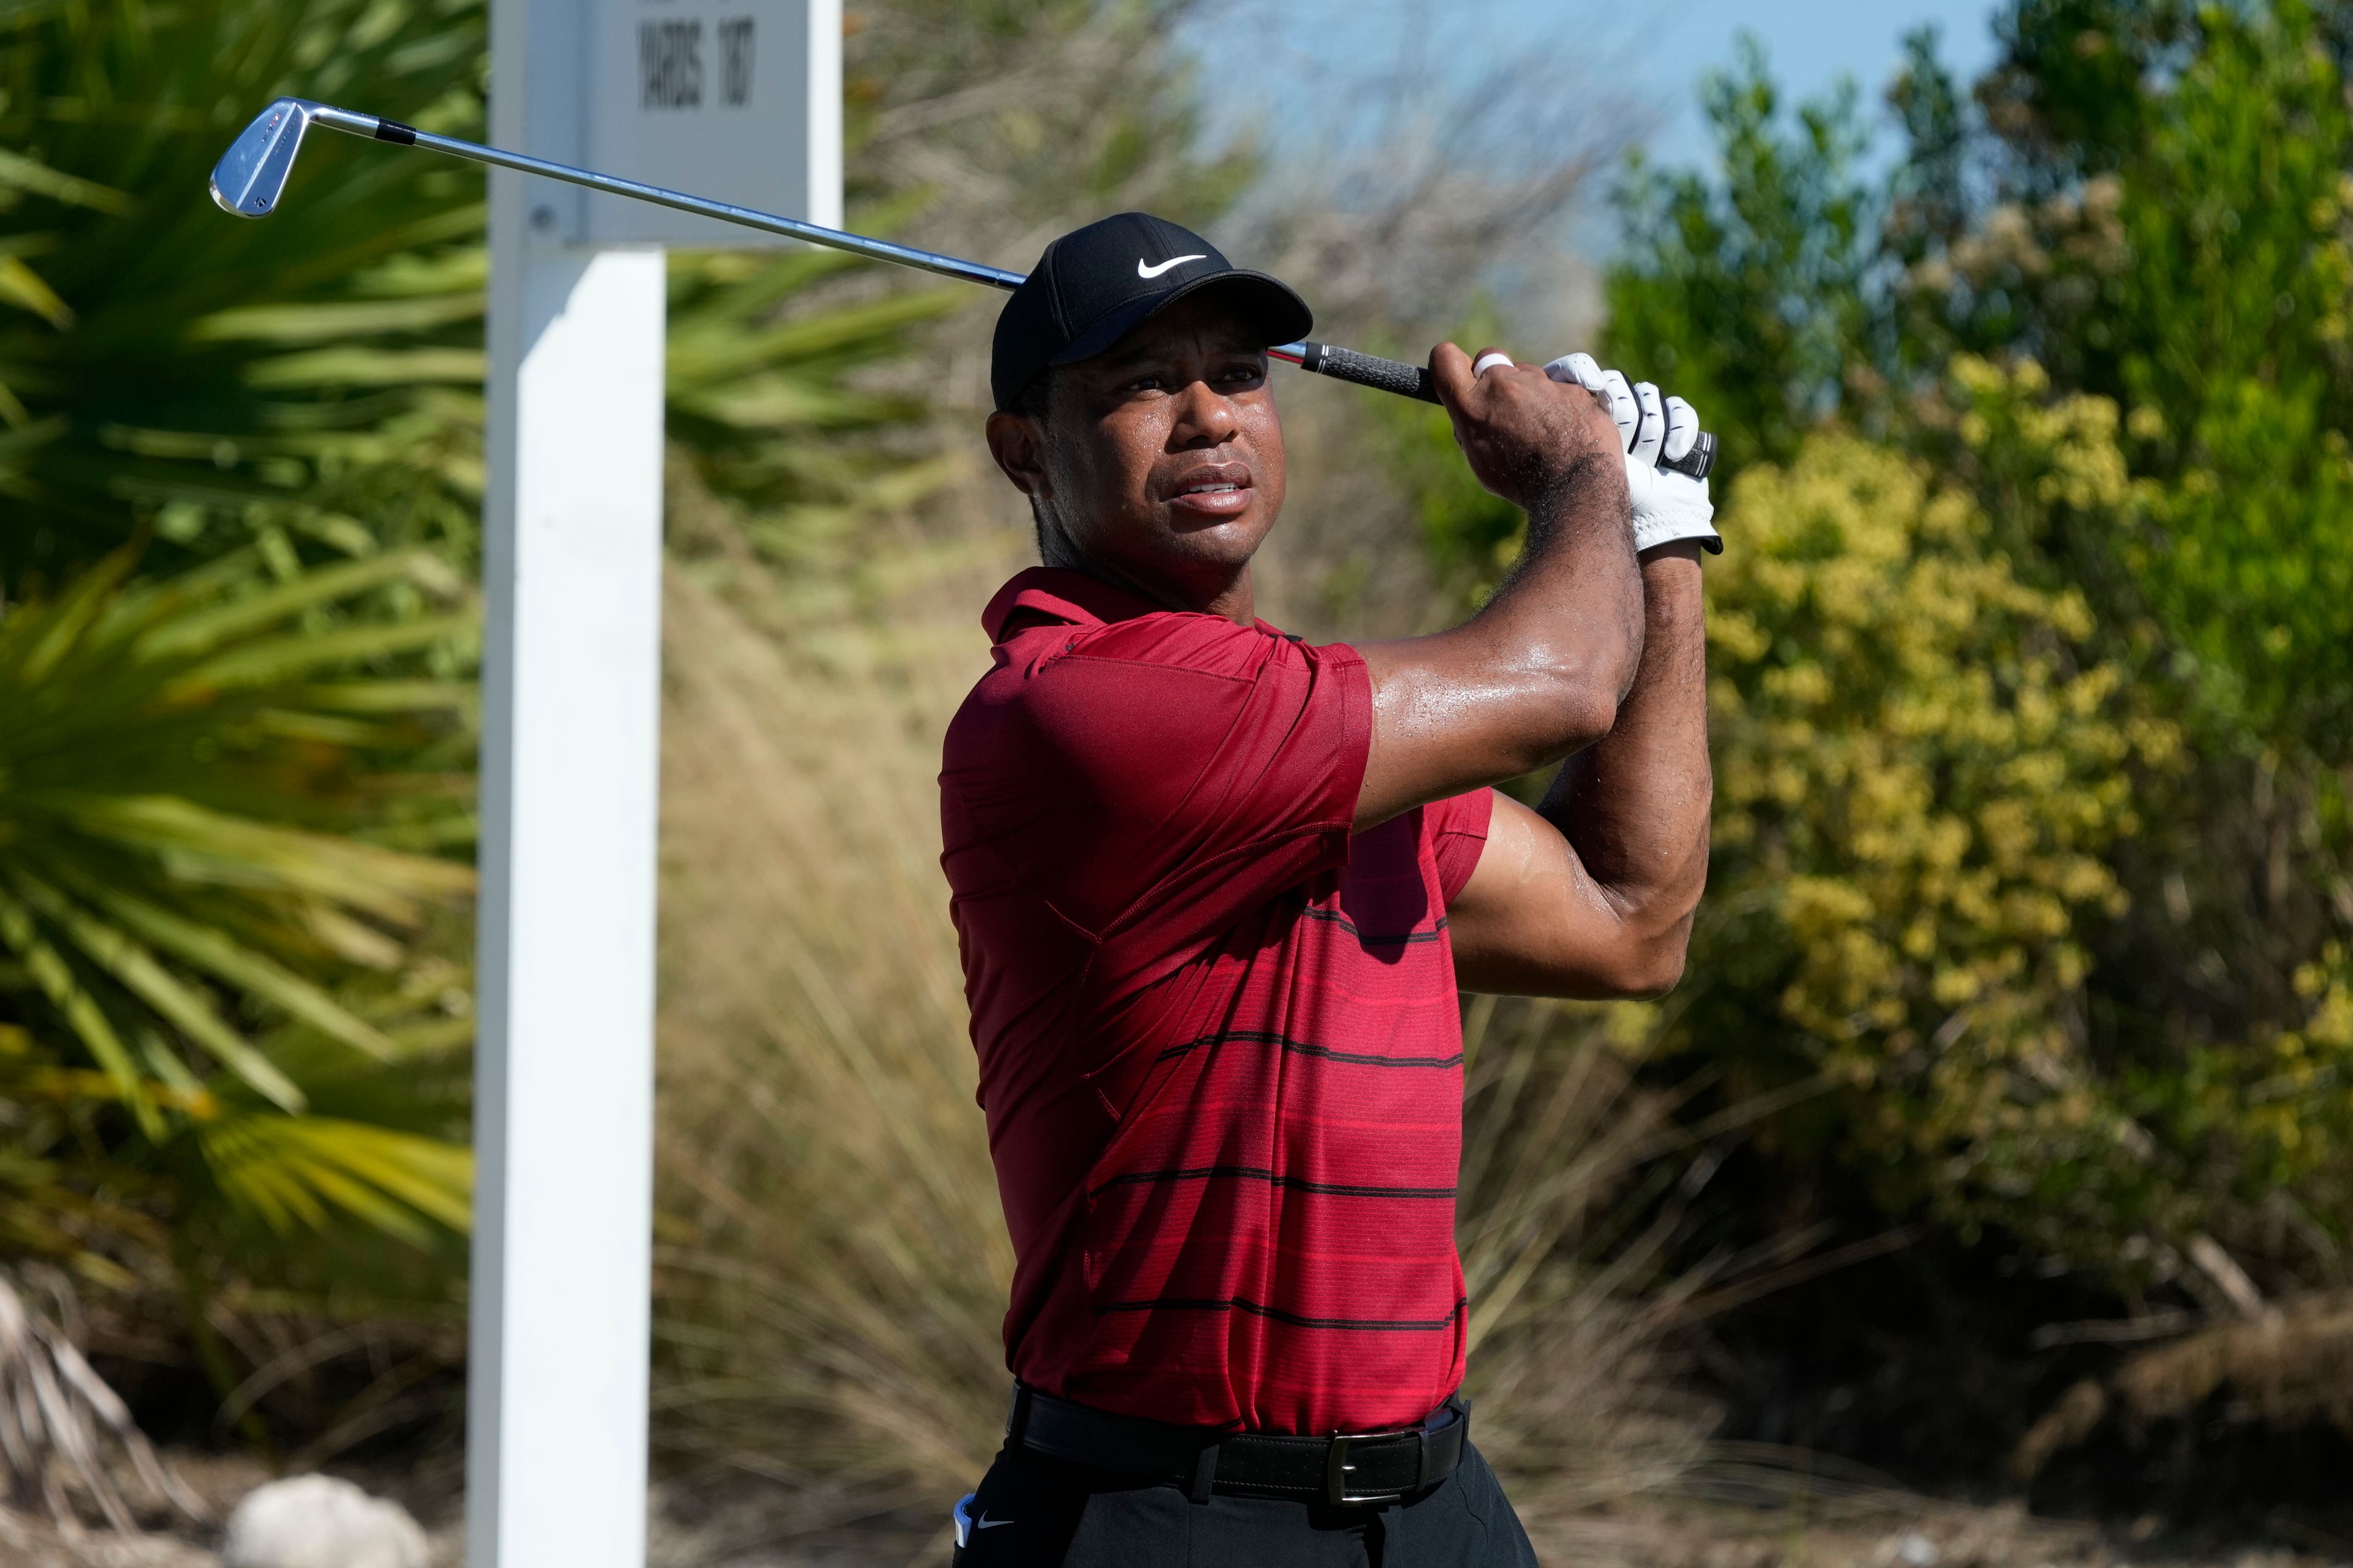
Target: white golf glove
point(1668, 506)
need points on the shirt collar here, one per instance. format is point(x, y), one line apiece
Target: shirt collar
point(1064, 595)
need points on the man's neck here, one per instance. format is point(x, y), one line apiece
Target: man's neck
point(1233, 601)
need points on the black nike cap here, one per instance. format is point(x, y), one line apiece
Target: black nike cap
point(1096, 284)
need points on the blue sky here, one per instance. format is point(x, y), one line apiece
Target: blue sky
point(1808, 45)
point(1307, 60)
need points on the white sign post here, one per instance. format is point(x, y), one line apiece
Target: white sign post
point(733, 99)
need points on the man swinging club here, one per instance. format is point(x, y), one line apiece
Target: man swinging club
point(1216, 890)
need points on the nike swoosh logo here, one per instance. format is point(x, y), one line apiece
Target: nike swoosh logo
point(1143, 271)
point(985, 1522)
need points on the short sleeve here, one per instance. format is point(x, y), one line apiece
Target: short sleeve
point(1154, 778)
point(1457, 829)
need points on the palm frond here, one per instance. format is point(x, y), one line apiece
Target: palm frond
point(292, 1171)
point(184, 879)
point(198, 631)
point(234, 800)
point(22, 287)
point(144, 976)
point(222, 958)
point(75, 1005)
point(34, 177)
point(311, 384)
point(135, 301)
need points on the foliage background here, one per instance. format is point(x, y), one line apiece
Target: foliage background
point(2032, 835)
point(2017, 1054)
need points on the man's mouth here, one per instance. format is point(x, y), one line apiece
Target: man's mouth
point(1222, 491)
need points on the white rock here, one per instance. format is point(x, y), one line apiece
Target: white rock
point(1915, 1550)
point(318, 1521)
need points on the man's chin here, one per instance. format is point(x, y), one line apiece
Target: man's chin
point(1212, 554)
point(1199, 532)
point(1177, 563)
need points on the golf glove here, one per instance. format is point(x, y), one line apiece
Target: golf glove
point(1668, 506)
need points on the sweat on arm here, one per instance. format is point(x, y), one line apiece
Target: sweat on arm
point(1585, 657)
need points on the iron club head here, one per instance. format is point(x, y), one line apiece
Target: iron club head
point(251, 175)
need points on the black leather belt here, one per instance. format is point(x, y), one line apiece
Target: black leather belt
point(1346, 1467)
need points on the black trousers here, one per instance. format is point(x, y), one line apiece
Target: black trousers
point(1035, 1511)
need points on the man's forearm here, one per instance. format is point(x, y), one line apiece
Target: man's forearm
point(1539, 673)
point(1635, 804)
point(1565, 630)
point(1576, 584)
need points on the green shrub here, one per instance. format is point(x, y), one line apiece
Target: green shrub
point(1937, 775)
point(2156, 211)
point(2097, 304)
point(1770, 266)
point(2233, 354)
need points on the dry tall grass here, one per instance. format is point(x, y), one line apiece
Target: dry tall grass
point(64, 1433)
point(1567, 1207)
point(832, 1261)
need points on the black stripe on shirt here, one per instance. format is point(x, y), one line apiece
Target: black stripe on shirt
point(1238, 1304)
point(1403, 939)
point(1301, 1047)
point(1258, 1173)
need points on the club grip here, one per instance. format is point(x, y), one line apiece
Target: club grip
point(1368, 369)
point(1413, 381)
point(1696, 462)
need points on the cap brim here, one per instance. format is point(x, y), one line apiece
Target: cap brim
point(1274, 310)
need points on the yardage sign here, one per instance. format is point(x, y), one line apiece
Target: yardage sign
point(740, 100)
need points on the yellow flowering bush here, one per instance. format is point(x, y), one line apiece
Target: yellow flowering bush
point(1974, 866)
point(1920, 771)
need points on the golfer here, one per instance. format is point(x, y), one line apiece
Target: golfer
point(1216, 890)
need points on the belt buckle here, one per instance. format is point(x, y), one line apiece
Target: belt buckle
point(1336, 1468)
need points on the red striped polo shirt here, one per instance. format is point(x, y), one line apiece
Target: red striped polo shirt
point(1220, 1053)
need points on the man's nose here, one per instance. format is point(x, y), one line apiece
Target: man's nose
point(1205, 417)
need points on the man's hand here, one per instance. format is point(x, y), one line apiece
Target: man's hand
point(1525, 433)
point(1668, 506)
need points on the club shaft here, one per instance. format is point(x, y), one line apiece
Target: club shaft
point(1320, 359)
point(377, 129)
point(370, 126)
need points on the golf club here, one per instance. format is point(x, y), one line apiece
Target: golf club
point(250, 178)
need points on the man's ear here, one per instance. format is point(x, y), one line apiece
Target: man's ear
point(1017, 442)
